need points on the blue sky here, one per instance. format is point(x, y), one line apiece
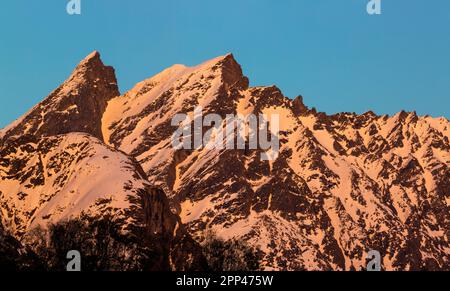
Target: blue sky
point(332, 52)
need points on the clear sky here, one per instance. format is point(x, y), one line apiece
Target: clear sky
point(330, 51)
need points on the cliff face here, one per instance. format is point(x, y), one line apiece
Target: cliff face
point(54, 167)
point(341, 185)
point(75, 106)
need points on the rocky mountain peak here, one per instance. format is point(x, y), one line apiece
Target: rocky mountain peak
point(93, 59)
point(231, 71)
point(91, 71)
point(341, 185)
point(299, 107)
point(75, 106)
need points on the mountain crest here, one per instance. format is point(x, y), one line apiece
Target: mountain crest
point(93, 59)
point(340, 185)
point(231, 71)
point(75, 106)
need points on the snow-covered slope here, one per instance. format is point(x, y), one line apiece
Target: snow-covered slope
point(341, 186)
point(55, 167)
point(55, 178)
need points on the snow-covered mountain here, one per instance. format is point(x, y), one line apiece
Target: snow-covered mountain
point(52, 172)
point(341, 186)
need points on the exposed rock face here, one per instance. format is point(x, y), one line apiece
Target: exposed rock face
point(50, 179)
point(182, 252)
point(341, 186)
point(76, 106)
point(53, 167)
point(299, 107)
point(57, 178)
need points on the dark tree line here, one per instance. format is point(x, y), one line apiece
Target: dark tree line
point(102, 244)
point(230, 255)
point(105, 247)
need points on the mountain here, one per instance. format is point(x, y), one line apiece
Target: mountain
point(75, 106)
point(54, 168)
point(340, 186)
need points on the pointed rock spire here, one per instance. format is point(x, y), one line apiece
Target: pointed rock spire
point(232, 72)
point(76, 106)
point(299, 107)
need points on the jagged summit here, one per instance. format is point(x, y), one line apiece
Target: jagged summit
point(93, 59)
point(224, 66)
point(342, 184)
point(92, 71)
point(75, 106)
point(94, 55)
point(175, 90)
point(232, 72)
point(93, 63)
